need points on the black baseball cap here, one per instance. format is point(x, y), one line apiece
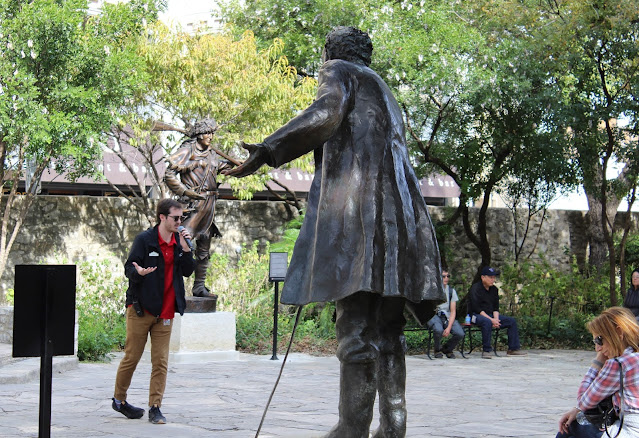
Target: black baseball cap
point(491, 272)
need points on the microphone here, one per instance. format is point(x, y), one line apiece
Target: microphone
point(187, 240)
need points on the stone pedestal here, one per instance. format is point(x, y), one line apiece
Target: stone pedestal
point(201, 337)
point(200, 305)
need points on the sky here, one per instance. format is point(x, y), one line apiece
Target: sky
point(187, 11)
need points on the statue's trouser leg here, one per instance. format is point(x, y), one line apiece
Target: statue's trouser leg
point(357, 354)
point(391, 378)
point(356, 400)
point(391, 369)
point(202, 260)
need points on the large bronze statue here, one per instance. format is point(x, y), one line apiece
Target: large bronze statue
point(191, 174)
point(367, 241)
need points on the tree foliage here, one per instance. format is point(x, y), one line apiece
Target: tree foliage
point(250, 92)
point(474, 99)
point(591, 53)
point(302, 26)
point(64, 75)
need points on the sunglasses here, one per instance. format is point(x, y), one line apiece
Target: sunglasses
point(177, 218)
point(598, 341)
point(446, 275)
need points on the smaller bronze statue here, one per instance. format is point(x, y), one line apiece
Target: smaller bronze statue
point(192, 175)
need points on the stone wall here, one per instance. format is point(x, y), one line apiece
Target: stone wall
point(556, 237)
point(68, 229)
point(61, 229)
point(6, 325)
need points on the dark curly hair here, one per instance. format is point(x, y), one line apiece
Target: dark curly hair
point(349, 44)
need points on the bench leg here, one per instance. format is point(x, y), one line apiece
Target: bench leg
point(468, 333)
point(428, 344)
point(461, 346)
point(470, 341)
point(496, 335)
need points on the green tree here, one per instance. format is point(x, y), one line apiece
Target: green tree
point(250, 92)
point(63, 77)
point(475, 101)
point(589, 52)
point(302, 26)
point(595, 57)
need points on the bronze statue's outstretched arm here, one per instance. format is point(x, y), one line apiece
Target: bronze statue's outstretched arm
point(257, 157)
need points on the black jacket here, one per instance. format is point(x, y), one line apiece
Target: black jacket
point(482, 299)
point(146, 253)
point(632, 300)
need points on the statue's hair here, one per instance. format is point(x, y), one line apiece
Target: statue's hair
point(206, 126)
point(349, 44)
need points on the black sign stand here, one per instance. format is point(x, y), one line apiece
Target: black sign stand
point(44, 323)
point(278, 264)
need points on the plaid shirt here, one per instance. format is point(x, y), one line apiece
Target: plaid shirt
point(599, 384)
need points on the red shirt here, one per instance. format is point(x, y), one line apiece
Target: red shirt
point(168, 302)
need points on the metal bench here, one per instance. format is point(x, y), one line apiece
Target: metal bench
point(429, 341)
point(468, 331)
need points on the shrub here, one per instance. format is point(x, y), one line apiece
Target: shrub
point(100, 303)
point(528, 292)
point(243, 287)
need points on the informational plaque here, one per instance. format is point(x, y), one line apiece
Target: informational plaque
point(44, 323)
point(278, 264)
point(44, 310)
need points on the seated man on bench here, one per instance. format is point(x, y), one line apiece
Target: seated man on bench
point(484, 307)
point(444, 323)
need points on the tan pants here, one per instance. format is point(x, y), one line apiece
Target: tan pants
point(137, 330)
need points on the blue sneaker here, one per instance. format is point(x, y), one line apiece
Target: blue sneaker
point(155, 416)
point(129, 411)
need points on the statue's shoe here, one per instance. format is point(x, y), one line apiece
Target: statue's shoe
point(203, 292)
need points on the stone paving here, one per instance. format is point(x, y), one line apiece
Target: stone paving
point(502, 397)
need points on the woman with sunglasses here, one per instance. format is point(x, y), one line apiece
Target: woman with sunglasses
point(616, 337)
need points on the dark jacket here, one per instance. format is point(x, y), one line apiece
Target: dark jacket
point(632, 300)
point(366, 226)
point(482, 299)
point(146, 253)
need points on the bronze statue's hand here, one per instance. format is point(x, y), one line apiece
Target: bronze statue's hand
point(193, 195)
point(255, 160)
point(226, 164)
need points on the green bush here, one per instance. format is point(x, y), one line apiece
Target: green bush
point(243, 287)
point(416, 341)
point(9, 296)
point(632, 251)
point(528, 290)
point(254, 334)
point(100, 302)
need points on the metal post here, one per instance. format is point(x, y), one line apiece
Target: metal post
point(552, 300)
point(275, 309)
point(46, 362)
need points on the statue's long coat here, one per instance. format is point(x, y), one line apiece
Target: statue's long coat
point(366, 226)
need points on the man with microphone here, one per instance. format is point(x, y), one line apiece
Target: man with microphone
point(158, 260)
